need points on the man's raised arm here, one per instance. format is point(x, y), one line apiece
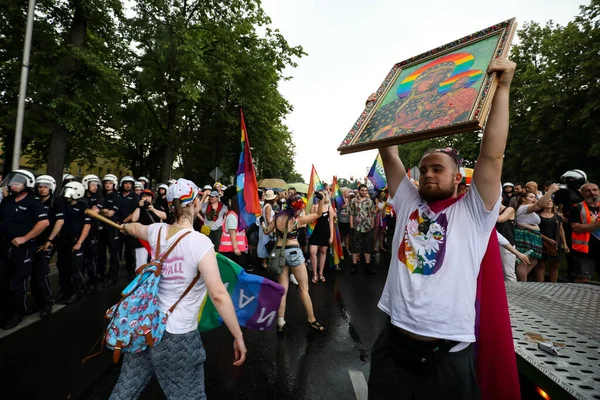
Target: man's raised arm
point(393, 167)
point(488, 168)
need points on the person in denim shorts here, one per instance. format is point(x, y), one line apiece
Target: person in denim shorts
point(294, 259)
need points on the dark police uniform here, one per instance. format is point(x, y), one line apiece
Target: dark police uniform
point(128, 202)
point(40, 287)
point(70, 262)
point(94, 270)
point(17, 220)
point(163, 205)
point(110, 238)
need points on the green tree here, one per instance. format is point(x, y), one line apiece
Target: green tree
point(555, 99)
point(195, 65)
point(74, 91)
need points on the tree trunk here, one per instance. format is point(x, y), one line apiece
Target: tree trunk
point(57, 153)
point(167, 164)
point(60, 136)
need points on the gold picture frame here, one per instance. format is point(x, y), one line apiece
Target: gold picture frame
point(441, 92)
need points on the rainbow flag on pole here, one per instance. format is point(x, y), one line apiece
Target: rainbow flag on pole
point(245, 181)
point(336, 247)
point(377, 174)
point(314, 186)
point(255, 299)
point(338, 199)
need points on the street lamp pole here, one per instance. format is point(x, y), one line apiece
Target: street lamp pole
point(23, 87)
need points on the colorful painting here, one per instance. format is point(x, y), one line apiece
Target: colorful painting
point(441, 92)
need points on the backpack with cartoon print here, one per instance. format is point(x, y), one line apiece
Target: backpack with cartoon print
point(137, 321)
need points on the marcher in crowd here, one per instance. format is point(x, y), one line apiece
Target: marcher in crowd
point(362, 220)
point(321, 238)
point(527, 231)
point(214, 214)
point(585, 223)
point(178, 360)
point(267, 216)
point(438, 247)
point(505, 226)
point(145, 214)
point(553, 239)
point(294, 260)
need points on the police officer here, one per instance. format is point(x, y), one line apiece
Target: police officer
point(40, 287)
point(128, 202)
point(138, 188)
point(109, 237)
point(145, 182)
point(566, 198)
point(22, 218)
point(67, 178)
point(70, 261)
point(94, 201)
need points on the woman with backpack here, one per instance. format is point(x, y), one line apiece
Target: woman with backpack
point(178, 359)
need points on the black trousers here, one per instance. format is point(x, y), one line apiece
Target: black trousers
point(453, 378)
point(109, 240)
point(40, 286)
point(90, 254)
point(71, 267)
point(130, 243)
point(15, 268)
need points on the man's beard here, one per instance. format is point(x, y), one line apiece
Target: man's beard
point(435, 193)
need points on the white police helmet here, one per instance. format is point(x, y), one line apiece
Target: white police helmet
point(46, 180)
point(111, 178)
point(89, 179)
point(21, 176)
point(73, 191)
point(127, 178)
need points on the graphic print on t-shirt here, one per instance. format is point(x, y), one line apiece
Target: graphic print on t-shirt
point(423, 246)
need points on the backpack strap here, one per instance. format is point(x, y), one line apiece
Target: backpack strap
point(187, 290)
point(161, 260)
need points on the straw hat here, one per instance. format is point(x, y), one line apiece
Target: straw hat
point(269, 195)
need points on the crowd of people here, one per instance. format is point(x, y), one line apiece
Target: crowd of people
point(438, 229)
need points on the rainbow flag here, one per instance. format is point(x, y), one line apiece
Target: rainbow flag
point(314, 186)
point(336, 247)
point(255, 299)
point(338, 199)
point(245, 181)
point(377, 174)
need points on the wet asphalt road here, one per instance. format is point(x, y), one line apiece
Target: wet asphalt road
point(43, 360)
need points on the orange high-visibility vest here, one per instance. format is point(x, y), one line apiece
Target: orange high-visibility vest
point(581, 241)
point(225, 246)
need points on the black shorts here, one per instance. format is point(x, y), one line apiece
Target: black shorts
point(585, 265)
point(344, 228)
point(361, 242)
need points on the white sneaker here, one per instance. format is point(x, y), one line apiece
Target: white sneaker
point(293, 279)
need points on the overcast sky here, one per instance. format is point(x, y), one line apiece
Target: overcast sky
point(352, 45)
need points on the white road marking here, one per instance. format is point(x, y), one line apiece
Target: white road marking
point(28, 320)
point(359, 384)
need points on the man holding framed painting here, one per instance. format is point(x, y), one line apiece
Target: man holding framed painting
point(432, 293)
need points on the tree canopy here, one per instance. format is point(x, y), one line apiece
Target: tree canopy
point(156, 87)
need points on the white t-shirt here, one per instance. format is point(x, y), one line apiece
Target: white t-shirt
point(432, 280)
point(179, 269)
point(231, 222)
point(214, 225)
point(527, 218)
